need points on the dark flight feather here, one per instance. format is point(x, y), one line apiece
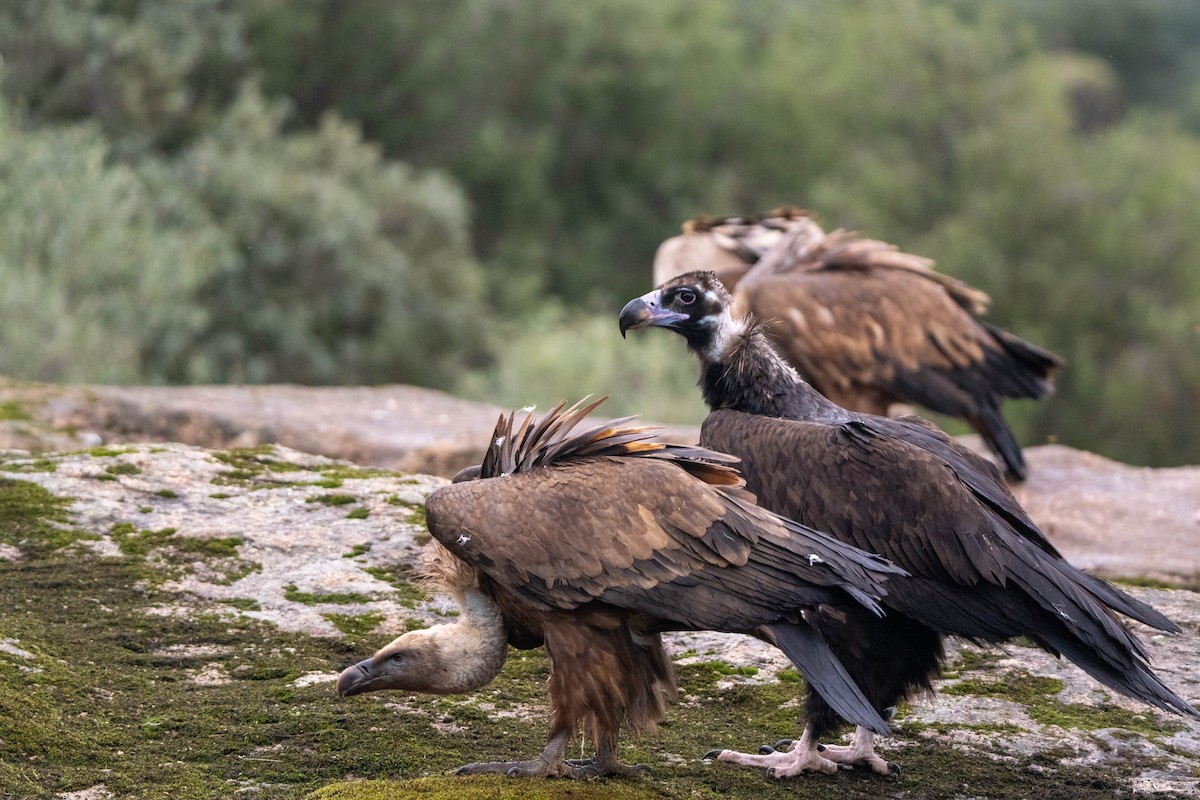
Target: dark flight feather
point(979, 567)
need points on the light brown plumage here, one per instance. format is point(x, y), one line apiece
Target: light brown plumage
point(599, 541)
point(868, 325)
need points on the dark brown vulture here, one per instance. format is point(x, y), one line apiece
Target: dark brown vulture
point(596, 543)
point(979, 567)
point(865, 324)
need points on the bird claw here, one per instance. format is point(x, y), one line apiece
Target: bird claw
point(765, 750)
point(894, 770)
point(784, 744)
point(714, 753)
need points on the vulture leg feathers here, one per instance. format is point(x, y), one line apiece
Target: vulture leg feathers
point(595, 543)
point(978, 567)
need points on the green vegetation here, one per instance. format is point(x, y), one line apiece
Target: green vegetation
point(287, 191)
point(33, 519)
point(358, 550)
point(355, 625)
point(408, 594)
point(333, 499)
point(1037, 695)
point(106, 683)
point(290, 592)
point(12, 410)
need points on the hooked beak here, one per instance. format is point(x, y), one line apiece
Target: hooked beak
point(355, 680)
point(647, 311)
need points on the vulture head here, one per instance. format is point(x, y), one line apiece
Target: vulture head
point(445, 659)
point(694, 305)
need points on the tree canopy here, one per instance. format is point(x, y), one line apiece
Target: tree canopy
point(438, 191)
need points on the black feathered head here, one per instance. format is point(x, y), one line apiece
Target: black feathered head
point(695, 305)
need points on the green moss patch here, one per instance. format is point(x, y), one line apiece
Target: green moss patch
point(33, 519)
point(28, 465)
point(408, 594)
point(253, 467)
point(355, 625)
point(290, 592)
point(333, 499)
point(12, 410)
point(109, 452)
point(1037, 695)
point(491, 787)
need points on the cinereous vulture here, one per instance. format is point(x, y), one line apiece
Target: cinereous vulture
point(598, 542)
point(979, 567)
point(865, 324)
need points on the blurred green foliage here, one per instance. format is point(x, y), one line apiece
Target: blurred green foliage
point(185, 194)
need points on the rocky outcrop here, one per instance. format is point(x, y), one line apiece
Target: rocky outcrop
point(259, 557)
point(1114, 519)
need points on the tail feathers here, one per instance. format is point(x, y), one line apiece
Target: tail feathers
point(1134, 680)
point(1120, 602)
point(1028, 368)
point(826, 675)
point(1089, 635)
point(995, 431)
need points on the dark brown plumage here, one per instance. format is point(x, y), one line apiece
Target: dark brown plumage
point(867, 325)
point(598, 542)
point(900, 487)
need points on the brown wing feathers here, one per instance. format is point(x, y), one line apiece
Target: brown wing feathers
point(869, 325)
point(572, 523)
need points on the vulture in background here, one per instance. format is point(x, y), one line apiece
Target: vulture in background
point(865, 324)
point(979, 567)
point(597, 542)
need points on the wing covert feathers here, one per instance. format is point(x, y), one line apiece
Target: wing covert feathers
point(663, 530)
point(980, 567)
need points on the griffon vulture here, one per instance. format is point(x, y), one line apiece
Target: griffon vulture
point(597, 542)
point(979, 566)
point(865, 324)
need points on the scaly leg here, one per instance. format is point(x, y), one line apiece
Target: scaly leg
point(549, 764)
point(860, 753)
point(803, 757)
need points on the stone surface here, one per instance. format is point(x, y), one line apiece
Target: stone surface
point(1115, 519)
point(301, 559)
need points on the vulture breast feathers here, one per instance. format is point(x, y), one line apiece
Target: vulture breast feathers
point(868, 325)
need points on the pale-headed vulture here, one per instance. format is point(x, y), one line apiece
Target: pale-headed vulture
point(596, 543)
point(979, 566)
point(866, 324)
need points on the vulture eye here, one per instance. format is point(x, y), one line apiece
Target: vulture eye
point(686, 297)
point(398, 658)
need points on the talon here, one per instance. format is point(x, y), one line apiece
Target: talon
point(770, 772)
point(784, 744)
point(714, 753)
point(820, 748)
point(644, 768)
point(766, 750)
point(894, 770)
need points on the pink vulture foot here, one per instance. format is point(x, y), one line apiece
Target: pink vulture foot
point(802, 758)
point(860, 753)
